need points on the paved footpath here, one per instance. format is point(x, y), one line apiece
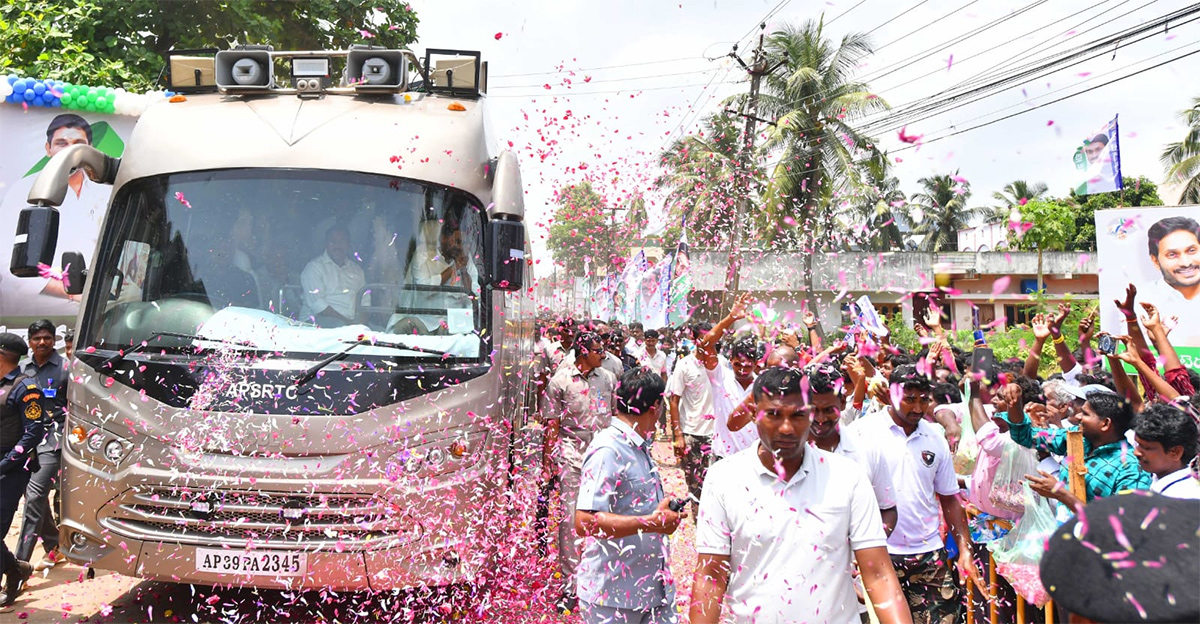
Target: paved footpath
point(63, 595)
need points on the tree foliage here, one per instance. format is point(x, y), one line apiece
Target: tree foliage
point(1137, 192)
point(124, 42)
point(815, 100)
point(1014, 195)
point(582, 234)
point(704, 181)
point(940, 211)
point(1182, 158)
point(1052, 227)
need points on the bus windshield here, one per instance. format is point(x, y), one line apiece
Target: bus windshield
point(293, 261)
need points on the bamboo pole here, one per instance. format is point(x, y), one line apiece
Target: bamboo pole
point(1077, 470)
point(1020, 609)
point(993, 591)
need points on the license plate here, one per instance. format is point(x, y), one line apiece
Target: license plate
point(251, 562)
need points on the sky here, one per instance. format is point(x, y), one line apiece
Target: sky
point(596, 90)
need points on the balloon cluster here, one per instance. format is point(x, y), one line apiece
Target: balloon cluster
point(57, 94)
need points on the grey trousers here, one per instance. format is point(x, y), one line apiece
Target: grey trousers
point(39, 518)
point(568, 542)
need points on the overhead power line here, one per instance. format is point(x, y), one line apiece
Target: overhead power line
point(924, 108)
point(1054, 101)
point(606, 80)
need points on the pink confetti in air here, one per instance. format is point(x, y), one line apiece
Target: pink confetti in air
point(1083, 258)
point(909, 138)
point(366, 34)
point(1050, 122)
point(499, 35)
point(1149, 518)
point(1000, 285)
point(1119, 533)
point(183, 200)
point(950, 62)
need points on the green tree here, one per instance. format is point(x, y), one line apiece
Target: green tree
point(1015, 194)
point(123, 42)
point(701, 174)
point(875, 212)
point(815, 100)
point(940, 211)
point(1138, 191)
point(582, 233)
point(1182, 158)
point(1052, 227)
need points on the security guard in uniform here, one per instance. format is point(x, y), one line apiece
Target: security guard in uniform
point(22, 424)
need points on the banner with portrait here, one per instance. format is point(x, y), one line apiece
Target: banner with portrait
point(31, 136)
point(1098, 161)
point(1157, 250)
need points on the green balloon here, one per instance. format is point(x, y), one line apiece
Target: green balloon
point(101, 103)
point(66, 99)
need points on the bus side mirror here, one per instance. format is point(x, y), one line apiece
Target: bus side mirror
point(74, 272)
point(506, 254)
point(37, 237)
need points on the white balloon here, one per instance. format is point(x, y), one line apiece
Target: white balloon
point(5, 89)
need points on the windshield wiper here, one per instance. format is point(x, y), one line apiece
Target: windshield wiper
point(312, 371)
point(145, 344)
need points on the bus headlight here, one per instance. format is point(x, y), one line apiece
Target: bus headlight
point(95, 441)
point(115, 451)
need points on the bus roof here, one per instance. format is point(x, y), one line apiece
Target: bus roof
point(422, 139)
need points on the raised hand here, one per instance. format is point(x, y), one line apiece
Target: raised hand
point(1086, 328)
point(1041, 328)
point(810, 319)
point(1151, 319)
point(1126, 307)
point(1064, 310)
point(933, 317)
point(741, 307)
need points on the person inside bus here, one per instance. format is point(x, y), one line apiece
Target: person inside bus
point(224, 283)
point(332, 282)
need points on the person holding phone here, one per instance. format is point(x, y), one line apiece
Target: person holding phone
point(624, 573)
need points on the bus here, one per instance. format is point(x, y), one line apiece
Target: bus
point(303, 347)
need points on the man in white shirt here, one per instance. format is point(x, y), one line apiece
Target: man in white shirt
point(732, 382)
point(651, 356)
point(332, 282)
point(825, 404)
point(690, 402)
point(1174, 247)
point(1166, 438)
point(922, 471)
point(780, 522)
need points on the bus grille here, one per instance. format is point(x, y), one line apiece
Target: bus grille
point(340, 522)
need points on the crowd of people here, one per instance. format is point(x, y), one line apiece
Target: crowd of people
point(840, 480)
point(33, 410)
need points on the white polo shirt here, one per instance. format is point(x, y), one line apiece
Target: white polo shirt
point(1178, 484)
point(727, 395)
point(689, 382)
point(790, 543)
point(922, 468)
point(869, 456)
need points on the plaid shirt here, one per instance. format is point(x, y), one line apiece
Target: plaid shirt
point(1111, 468)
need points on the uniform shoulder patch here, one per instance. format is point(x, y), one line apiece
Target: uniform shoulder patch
point(33, 411)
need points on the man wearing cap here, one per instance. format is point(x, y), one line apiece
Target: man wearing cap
point(1128, 558)
point(1111, 464)
point(21, 428)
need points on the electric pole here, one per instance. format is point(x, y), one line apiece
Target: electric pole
point(757, 70)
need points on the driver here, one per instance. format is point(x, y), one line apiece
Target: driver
point(332, 282)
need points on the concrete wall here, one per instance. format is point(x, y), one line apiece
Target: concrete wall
point(777, 280)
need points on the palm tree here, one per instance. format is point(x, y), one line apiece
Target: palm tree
point(941, 211)
point(1182, 158)
point(812, 95)
point(876, 213)
point(1014, 196)
point(700, 173)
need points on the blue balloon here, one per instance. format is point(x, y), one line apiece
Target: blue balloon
point(57, 103)
point(39, 87)
point(48, 97)
point(19, 86)
point(11, 78)
point(29, 95)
